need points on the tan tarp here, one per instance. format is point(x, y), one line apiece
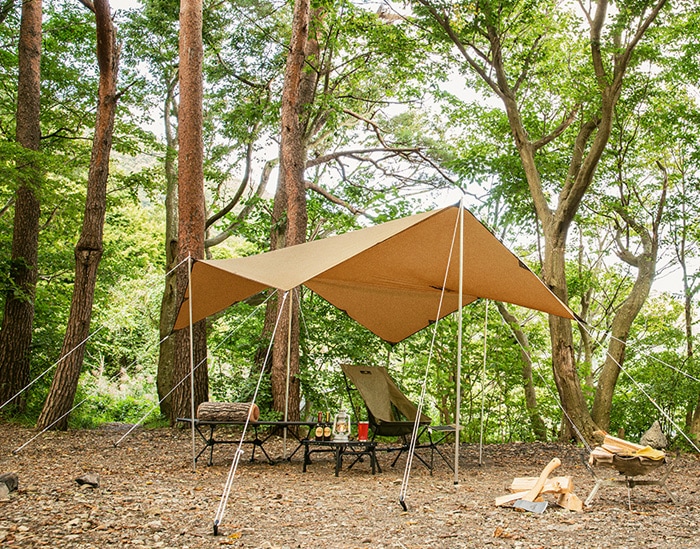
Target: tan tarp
point(388, 277)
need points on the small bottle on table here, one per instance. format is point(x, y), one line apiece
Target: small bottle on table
point(327, 428)
point(318, 432)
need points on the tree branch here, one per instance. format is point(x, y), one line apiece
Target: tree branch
point(6, 9)
point(445, 24)
point(557, 131)
point(239, 192)
point(240, 218)
point(371, 123)
point(335, 200)
point(7, 206)
point(623, 60)
point(323, 159)
point(526, 65)
point(88, 4)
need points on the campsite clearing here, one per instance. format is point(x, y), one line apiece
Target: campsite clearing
point(149, 496)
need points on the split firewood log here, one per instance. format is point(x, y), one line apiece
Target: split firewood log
point(552, 485)
point(571, 502)
point(620, 446)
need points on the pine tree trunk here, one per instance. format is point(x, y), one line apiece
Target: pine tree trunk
point(168, 305)
point(297, 96)
point(18, 319)
point(191, 210)
point(88, 251)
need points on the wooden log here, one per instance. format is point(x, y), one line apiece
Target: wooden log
point(227, 411)
point(600, 455)
point(552, 485)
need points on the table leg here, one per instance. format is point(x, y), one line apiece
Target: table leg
point(211, 443)
point(307, 457)
point(338, 459)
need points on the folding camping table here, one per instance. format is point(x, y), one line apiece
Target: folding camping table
point(351, 448)
point(262, 432)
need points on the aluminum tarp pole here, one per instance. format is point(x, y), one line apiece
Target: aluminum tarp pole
point(459, 339)
point(189, 305)
point(483, 383)
point(289, 358)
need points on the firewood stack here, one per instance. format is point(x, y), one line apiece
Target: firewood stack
point(562, 488)
point(627, 457)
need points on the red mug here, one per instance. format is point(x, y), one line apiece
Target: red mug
point(362, 430)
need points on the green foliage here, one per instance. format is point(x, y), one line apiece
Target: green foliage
point(118, 403)
point(653, 385)
point(376, 78)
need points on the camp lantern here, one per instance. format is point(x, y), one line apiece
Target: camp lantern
point(341, 426)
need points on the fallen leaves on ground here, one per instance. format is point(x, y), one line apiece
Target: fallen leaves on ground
point(149, 495)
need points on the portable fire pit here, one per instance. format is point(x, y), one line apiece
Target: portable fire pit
point(630, 461)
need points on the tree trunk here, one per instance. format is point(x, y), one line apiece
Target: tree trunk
point(563, 357)
point(88, 251)
point(587, 343)
point(694, 428)
point(625, 316)
point(690, 289)
point(191, 211)
point(539, 429)
point(297, 96)
point(18, 319)
point(168, 305)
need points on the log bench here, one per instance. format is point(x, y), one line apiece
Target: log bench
point(211, 415)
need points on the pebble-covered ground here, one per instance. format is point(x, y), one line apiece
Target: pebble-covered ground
point(149, 495)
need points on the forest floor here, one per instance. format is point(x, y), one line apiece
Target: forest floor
point(149, 495)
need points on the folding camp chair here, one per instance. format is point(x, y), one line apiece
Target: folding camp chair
point(391, 414)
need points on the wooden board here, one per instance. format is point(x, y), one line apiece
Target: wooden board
point(620, 446)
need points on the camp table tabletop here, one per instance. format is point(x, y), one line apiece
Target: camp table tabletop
point(262, 432)
point(352, 448)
